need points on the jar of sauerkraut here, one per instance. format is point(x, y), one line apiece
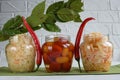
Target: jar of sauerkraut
point(96, 51)
point(57, 53)
point(20, 53)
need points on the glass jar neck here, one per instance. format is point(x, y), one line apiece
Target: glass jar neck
point(21, 38)
point(52, 38)
point(95, 37)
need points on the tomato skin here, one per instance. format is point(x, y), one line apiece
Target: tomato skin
point(46, 59)
point(57, 48)
point(62, 59)
point(66, 67)
point(70, 56)
point(71, 47)
point(55, 67)
point(47, 47)
point(54, 55)
point(65, 52)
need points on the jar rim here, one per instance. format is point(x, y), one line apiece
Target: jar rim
point(95, 36)
point(51, 36)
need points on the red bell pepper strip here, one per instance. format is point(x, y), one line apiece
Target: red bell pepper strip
point(36, 41)
point(78, 39)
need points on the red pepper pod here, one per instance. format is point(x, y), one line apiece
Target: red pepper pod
point(78, 39)
point(36, 41)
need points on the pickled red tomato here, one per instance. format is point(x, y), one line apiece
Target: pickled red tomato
point(65, 43)
point(47, 47)
point(46, 58)
point(62, 59)
point(71, 47)
point(57, 55)
point(66, 67)
point(65, 52)
point(55, 67)
point(56, 48)
point(54, 55)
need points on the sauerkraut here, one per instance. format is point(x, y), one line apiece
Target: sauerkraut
point(20, 53)
point(96, 52)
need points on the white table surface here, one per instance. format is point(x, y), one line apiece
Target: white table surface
point(73, 77)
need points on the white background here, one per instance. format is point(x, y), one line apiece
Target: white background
point(106, 13)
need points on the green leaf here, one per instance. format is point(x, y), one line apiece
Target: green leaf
point(76, 6)
point(77, 19)
point(11, 32)
point(36, 28)
point(39, 9)
point(23, 30)
point(55, 7)
point(51, 27)
point(67, 4)
point(13, 23)
point(35, 20)
point(11, 27)
point(76, 16)
point(3, 37)
point(6, 34)
point(65, 15)
point(50, 18)
point(58, 19)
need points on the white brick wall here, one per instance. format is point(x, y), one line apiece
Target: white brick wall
point(115, 5)
point(106, 12)
point(96, 5)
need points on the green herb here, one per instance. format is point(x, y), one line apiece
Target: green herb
point(51, 27)
point(55, 7)
point(13, 23)
point(76, 16)
point(39, 9)
point(34, 21)
point(57, 12)
point(11, 28)
point(51, 18)
point(76, 5)
point(37, 16)
point(65, 14)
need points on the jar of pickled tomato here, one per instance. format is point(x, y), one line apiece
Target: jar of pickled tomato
point(96, 51)
point(57, 53)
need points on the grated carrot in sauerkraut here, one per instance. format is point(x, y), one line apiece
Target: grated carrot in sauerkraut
point(96, 52)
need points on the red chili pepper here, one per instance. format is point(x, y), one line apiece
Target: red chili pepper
point(36, 41)
point(78, 39)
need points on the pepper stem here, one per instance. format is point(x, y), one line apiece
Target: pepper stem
point(79, 65)
point(36, 68)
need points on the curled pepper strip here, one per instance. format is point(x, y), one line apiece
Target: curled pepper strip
point(78, 39)
point(36, 41)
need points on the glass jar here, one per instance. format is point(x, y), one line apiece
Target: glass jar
point(20, 53)
point(96, 52)
point(57, 53)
